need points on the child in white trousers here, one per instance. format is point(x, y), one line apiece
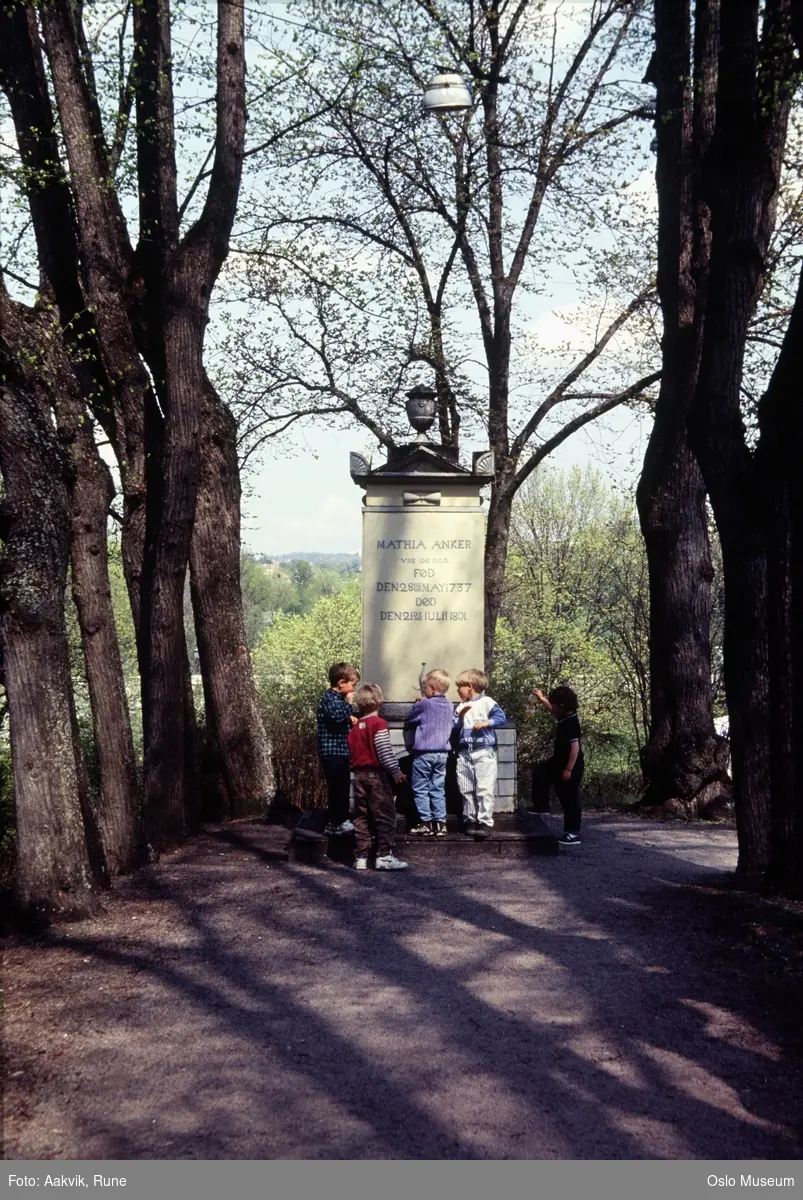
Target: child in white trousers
point(476, 721)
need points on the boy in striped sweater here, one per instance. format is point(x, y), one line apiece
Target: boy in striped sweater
point(374, 765)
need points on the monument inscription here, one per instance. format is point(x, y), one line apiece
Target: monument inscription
point(422, 595)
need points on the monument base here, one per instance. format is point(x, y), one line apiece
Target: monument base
point(506, 776)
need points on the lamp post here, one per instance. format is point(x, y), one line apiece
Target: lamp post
point(446, 93)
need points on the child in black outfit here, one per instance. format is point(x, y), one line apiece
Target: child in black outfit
point(564, 770)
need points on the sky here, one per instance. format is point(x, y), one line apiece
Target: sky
point(301, 498)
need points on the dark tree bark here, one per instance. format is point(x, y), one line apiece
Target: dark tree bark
point(232, 711)
point(106, 261)
point(54, 874)
point(782, 496)
point(497, 541)
point(119, 809)
point(779, 469)
point(23, 79)
point(155, 302)
point(200, 490)
point(740, 184)
point(684, 762)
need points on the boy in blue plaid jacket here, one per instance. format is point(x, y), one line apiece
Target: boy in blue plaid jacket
point(335, 719)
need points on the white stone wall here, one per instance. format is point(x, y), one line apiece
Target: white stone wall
point(506, 777)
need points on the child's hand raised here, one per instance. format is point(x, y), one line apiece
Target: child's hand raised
point(461, 712)
point(354, 719)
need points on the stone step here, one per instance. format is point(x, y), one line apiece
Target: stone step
point(524, 834)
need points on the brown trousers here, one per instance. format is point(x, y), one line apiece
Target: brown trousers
point(374, 812)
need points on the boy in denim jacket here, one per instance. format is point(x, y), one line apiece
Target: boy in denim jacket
point(431, 720)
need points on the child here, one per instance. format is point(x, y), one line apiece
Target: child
point(431, 719)
point(372, 760)
point(335, 720)
point(475, 721)
point(564, 769)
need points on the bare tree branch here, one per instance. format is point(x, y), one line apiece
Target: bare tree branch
point(126, 97)
point(583, 419)
point(559, 393)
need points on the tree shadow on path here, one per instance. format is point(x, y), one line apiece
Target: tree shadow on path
point(595, 1008)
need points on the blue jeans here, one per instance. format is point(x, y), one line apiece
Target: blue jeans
point(428, 779)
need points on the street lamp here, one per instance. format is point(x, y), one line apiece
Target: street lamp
point(446, 93)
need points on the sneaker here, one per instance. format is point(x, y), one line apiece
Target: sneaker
point(482, 831)
point(440, 829)
point(569, 839)
point(469, 828)
point(360, 864)
point(338, 830)
point(422, 830)
point(389, 862)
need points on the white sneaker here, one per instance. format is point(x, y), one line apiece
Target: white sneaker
point(389, 862)
point(360, 864)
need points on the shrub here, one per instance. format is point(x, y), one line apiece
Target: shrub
point(291, 662)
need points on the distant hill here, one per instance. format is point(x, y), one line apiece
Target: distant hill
point(314, 558)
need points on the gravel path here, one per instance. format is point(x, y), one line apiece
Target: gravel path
point(619, 1001)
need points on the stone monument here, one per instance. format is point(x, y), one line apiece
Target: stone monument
point(422, 572)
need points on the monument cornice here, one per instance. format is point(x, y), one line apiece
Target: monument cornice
point(423, 464)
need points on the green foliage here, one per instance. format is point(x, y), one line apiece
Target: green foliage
point(294, 587)
point(575, 612)
point(301, 573)
point(294, 655)
point(290, 667)
point(123, 619)
point(265, 594)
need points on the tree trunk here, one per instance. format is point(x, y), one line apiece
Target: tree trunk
point(106, 259)
point(119, 810)
point(54, 875)
point(741, 178)
point(683, 761)
point(232, 711)
point(167, 724)
point(747, 692)
point(497, 537)
point(780, 424)
point(178, 279)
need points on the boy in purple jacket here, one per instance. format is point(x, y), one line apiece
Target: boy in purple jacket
point(431, 719)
